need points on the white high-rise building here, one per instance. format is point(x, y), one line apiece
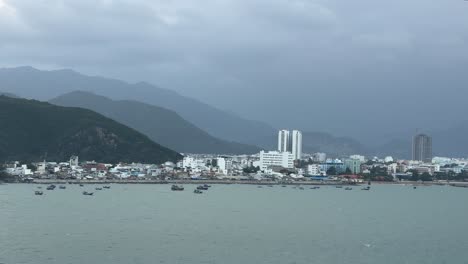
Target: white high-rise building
point(274, 158)
point(297, 144)
point(283, 140)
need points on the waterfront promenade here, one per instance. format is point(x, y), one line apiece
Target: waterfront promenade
point(252, 182)
point(246, 182)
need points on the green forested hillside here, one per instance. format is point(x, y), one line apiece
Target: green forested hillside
point(161, 125)
point(31, 130)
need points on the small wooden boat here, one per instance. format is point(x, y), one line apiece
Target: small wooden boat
point(177, 188)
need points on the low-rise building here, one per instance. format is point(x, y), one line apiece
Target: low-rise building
point(275, 158)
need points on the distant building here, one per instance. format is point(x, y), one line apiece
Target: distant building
point(354, 165)
point(319, 157)
point(283, 140)
point(297, 144)
point(358, 157)
point(73, 161)
point(224, 165)
point(336, 163)
point(314, 170)
point(275, 158)
point(422, 148)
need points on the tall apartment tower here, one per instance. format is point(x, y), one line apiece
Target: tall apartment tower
point(283, 140)
point(422, 148)
point(297, 144)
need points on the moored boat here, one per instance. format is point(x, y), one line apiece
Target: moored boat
point(62, 187)
point(177, 188)
point(87, 193)
point(197, 191)
point(348, 188)
point(202, 187)
point(38, 193)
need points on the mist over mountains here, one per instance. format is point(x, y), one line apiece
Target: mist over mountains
point(159, 124)
point(146, 107)
point(45, 85)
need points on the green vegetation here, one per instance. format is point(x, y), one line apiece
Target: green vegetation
point(378, 174)
point(251, 169)
point(331, 171)
point(33, 131)
point(159, 124)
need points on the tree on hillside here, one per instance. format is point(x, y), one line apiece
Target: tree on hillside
point(331, 171)
point(425, 177)
point(415, 175)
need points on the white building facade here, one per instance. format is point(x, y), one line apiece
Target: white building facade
point(275, 158)
point(224, 165)
point(297, 144)
point(283, 140)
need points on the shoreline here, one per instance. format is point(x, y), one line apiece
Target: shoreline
point(242, 182)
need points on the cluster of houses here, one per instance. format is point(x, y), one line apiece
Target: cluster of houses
point(240, 167)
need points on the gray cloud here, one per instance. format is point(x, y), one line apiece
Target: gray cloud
point(317, 65)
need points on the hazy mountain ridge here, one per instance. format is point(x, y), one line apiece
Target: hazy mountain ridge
point(33, 130)
point(161, 125)
point(44, 85)
point(29, 82)
point(333, 146)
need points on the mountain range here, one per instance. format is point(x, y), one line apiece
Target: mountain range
point(28, 82)
point(33, 131)
point(215, 130)
point(161, 125)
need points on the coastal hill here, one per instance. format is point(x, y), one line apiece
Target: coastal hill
point(33, 131)
point(28, 82)
point(332, 145)
point(161, 125)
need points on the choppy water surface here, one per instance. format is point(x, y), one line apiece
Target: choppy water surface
point(233, 224)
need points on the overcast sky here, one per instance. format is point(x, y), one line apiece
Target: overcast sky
point(364, 68)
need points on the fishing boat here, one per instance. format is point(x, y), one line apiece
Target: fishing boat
point(348, 188)
point(87, 193)
point(38, 193)
point(62, 187)
point(51, 187)
point(106, 187)
point(197, 191)
point(177, 188)
point(98, 188)
point(366, 188)
point(201, 187)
